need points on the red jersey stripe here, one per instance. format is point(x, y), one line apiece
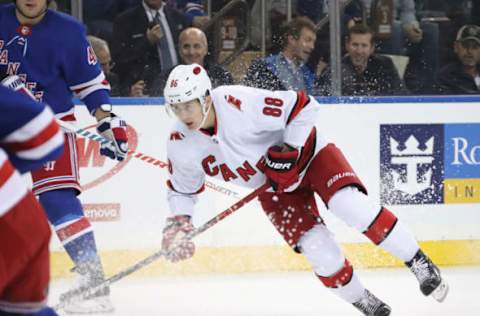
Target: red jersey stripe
point(73, 229)
point(302, 101)
point(6, 171)
point(44, 136)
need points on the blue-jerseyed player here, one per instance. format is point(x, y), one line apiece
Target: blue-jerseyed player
point(29, 136)
point(50, 53)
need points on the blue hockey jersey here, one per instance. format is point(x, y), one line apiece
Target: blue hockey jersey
point(29, 136)
point(29, 133)
point(54, 59)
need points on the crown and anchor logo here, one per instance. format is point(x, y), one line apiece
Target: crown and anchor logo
point(412, 154)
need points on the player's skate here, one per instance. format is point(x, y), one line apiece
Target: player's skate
point(370, 305)
point(99, 302)
point(428, 275)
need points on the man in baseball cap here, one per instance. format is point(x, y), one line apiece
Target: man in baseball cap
point(469, 34)
point(463, 75)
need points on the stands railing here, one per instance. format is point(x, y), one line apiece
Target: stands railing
point(323, 21)
point(77, 9)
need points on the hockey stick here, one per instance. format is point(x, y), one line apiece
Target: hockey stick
point(69, 296)
point(141, 156)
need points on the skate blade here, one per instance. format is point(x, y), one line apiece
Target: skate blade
point(440, 292)
point(99, 305)
point(87, 311)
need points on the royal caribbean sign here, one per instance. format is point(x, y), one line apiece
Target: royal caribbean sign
point(430, 163)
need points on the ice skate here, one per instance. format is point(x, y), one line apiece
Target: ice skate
point(370, 305)
point(98, 302)
point(93, 305)
point(428, 275)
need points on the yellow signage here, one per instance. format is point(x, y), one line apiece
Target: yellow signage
point(462, 190)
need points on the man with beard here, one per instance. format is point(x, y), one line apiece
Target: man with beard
point(463, 75)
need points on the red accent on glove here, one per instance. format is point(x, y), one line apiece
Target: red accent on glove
point(120, 134)
point(173, 242)
point(115, 129)
point(281, 167)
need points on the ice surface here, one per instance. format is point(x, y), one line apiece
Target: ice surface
point(283, 294)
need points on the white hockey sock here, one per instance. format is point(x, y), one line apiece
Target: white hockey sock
point(352, 291)
point(380, 225)
point(400, 243)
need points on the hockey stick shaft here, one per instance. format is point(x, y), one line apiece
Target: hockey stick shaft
point(70, 295)
point(138, 155)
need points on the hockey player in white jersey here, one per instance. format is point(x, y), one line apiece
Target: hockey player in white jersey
point(248, 136)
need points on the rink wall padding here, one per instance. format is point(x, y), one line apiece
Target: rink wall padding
point(233, 260)
point(420, 156)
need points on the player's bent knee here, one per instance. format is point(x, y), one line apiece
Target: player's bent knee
point(353, 207)
point(321, 250)
point(61, 205)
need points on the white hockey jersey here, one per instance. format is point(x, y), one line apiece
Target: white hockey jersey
point(248, 121)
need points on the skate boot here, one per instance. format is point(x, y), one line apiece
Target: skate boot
point(98, 302)
point(428, 275)
point(370, 305)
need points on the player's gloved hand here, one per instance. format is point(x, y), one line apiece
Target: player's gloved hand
point(115, 129)
point(178, 248)
point(281, 167)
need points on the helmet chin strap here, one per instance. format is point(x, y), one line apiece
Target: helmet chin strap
point(204, 112)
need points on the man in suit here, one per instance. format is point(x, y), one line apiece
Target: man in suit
point(145, 41)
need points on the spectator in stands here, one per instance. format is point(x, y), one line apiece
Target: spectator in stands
point(363, 72)
point(463, 75)
point(275, 16)
point(317, 9)
point(193, 48)
point(287, 70)
point(352, 12)
point(145, 43)
point(124, 5)
point(98, 17)
point(102, 51)
point(417, 40)
point(193, 9)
